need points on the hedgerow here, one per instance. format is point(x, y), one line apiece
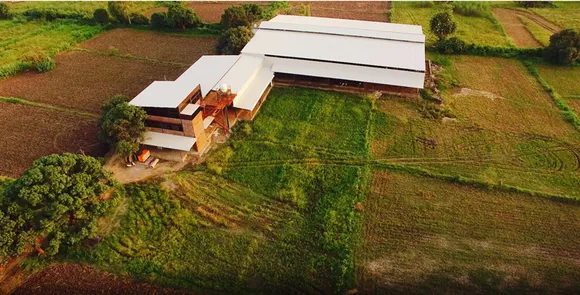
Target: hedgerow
point(455, 45)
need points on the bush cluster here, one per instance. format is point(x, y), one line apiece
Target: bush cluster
point(5, 11)
point(536, 4)
point(233, 40)
point(243, 15)
point(176, 17)
point(434, 112)
point(564, 47)
point(455, 45)
point(40, 61)
point(477, 9)
point(101, 16)
point(424, 4)
point(52, 14)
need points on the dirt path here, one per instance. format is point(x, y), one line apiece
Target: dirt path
point(546, 24)
point(515, 28)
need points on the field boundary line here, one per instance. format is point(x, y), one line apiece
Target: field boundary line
point(16, 100)
point(128, 56)
point(566, 111)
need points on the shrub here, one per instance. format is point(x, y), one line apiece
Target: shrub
point(182, 17)
point(424, 4)
point(480, 9)
point(159, 20)
point(233, 40)
point(122, 125)
point(304, 10)
point(51, 14)
point(564, 47)
point(442, 25)
point(274, 8)
point(234, 16)
point(120, 11)
point(139, 19)
point(253, 12)
point(435, 112)
point(4, 11)
point(536, 4)
point(101, 16)
point(452, 45)
point(40, 61)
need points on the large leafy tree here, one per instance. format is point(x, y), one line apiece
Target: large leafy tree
point(58, 199)
point(564, 47)
point(442, 25)
point(243, 15)
point(234, 40)
point(182, 17)
point(121, 10)
point(122, 125)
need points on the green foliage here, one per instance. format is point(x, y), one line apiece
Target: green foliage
point(182, 17)
point(304, 10)
point(234, 16)
point(159, 20)
point(101, 16)
point(442, 25)
point(120, 11)
point(564, 47)
point(58, 199)
point(233, 40)
point(274, 8)
point(424, 4)
point(472, 8)
point(433, 111)
point(536, 4)
point(52, 14)
point(40, 61)
point(139, 19)
point(122, 125)
point(5, 11)
point(451, 45)
point(253, 12)
point(455, 45)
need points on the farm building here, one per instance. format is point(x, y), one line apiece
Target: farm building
point(339, 54)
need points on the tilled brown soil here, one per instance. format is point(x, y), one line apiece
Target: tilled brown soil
point(211, 12)
point(160, 46)
point(84, 280)
point(29, 132)
point(515, 28)
point(85, 81)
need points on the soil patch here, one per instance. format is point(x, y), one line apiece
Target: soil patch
point(85, 81)
point(29, 132)
point(80, 280)
point(357, 10)
point(515, 28)
point(470, 92)
point(170, 47)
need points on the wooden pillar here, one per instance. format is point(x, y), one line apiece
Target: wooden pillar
point(194, 128)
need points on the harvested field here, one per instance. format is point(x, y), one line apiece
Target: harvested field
point(29, 132)
point(438, 237)
point(175, 48)
point(515, 28)
point(85, 280)
point(565, 15)
point(85, 81)
point(564, 79)
point(358, 10)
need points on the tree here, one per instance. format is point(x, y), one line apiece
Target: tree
point(564, 47)
point(235, 16)
point(182, 17)
point(120, 10)
point(5, 11)
point(56, 199)
point(122, 125)
point(159, 20)
point(101, 16)
point(253, 12)
point(233, 40)
point(442, 25)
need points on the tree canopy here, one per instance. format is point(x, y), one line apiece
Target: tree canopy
point(233, 40)
point(182, 17)
point(442, 25)
point(101, 16)
point(4, 11)
point(120, 10)
point(564, 47)
point(243, 15)
point(56, 199)
point(122, 125)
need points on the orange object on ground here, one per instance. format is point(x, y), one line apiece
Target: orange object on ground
point(143, 156)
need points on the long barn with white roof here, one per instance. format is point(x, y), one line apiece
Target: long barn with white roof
point(310, 51)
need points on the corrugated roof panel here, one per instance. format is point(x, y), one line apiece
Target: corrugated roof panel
point(241, 72)
point(347, 23)
point(346, 49)
point(354, 32)
point(170, 141)
point(163, 94)
point(248, 99)
point(347, 72)
point(207, 71)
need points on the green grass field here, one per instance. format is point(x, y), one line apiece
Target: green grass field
point(478, 30)
point(86, 7)
point(565, 14)
point(540, 34)
point(429, 236)
point(19, 39)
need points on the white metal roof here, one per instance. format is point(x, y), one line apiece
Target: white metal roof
point(242, 72)
point(163, 94)
point(344, 31)
point(250, 95)
point(190, 109)
point(347, 23)
point(348, 72)
point(346, 49)
point(170, 141)
point(207, 71)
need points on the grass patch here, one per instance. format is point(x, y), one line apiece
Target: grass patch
point(478, 30)
point(433, 236)
point(565, 14)
point(538, 32)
